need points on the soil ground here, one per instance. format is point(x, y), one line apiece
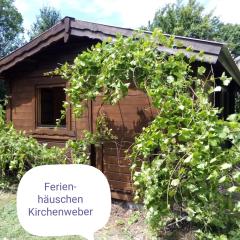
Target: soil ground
point(127, 222)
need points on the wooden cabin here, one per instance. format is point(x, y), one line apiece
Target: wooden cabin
point(36, 100)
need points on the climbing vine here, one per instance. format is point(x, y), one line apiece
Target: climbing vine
point(80, 148)
point(185, 163)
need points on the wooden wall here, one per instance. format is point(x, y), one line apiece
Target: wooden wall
point(126, 119)
point(23, 82)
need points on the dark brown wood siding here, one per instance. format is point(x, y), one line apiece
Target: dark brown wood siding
point(27, 77)
point(126, 119)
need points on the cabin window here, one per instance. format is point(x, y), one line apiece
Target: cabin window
point(50, 102)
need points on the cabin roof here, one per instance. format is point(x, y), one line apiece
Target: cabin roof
point(213, 51)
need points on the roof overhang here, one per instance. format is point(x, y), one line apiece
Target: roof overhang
point(213, 51)
point(229, 64)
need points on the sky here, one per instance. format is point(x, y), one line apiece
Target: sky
point(122, 13)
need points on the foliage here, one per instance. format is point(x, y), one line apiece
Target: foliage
point(47, 17)
point(188, 174)
point(10, 226)
point(230, 33)
point(185, 20)
point(191, 20)
point(80, 153)
point(19, 153)
point(135, 216)
point(185, 163)
point(10, 27)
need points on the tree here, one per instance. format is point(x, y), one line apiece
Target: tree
point(185, 20)
point(48, 17)
point(182, 170)
point(10, 27)
point(191, 20)
point(230, 33)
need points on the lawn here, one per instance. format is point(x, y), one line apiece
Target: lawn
point(124, 223)
point(10, 227)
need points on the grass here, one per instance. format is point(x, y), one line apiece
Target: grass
point(120, 227)
point(10, 228)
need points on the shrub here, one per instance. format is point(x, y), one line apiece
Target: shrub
point(19, 153)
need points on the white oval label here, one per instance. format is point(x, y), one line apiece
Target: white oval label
point(60, 200)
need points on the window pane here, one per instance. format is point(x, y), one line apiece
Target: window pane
point(51, 105)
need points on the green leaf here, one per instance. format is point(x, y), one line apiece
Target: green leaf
point(236, 175)
point(233, 117)
point(188, 159)
point(181, 107)
point(217, 89)
point(213, 160)
point(222, 179)
point(225, 166)
point(232, 189)
point(201, 70)
point(175, 182)
point(170, 79)
point(226, 80)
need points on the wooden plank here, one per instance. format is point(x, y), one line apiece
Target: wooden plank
point(127, 101)
point(122, 196)
point(25, 123)
point(130, 108)
point(23, 105)
point(24, 95)
point(22, 115)
point(128, 119)
point(51, 137)
point(115, 117)
point(114, 152)
point(22, 128)
point(118, 176)
point(136, 92)
point(21, 110)
point(54, 131)
point(133, 120)
point(141, 100)
point(16, 118)
point(120, 161)
point(118, 185)
point(81, 124)
point(123, 144)
point(99, 28)
point(115, 168)
point(19, 89)
point(51, 143)
point(99, 158)
point(44, 81)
